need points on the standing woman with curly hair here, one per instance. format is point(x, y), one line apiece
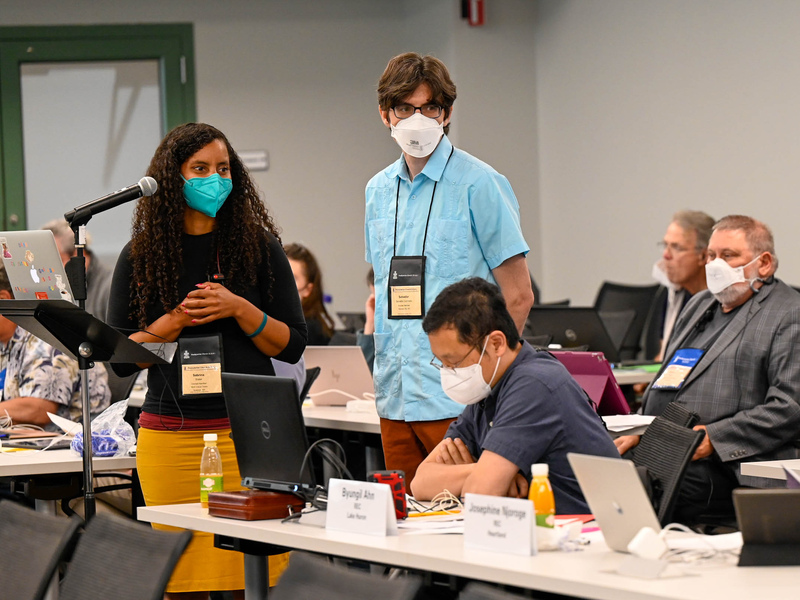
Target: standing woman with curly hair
point(204, 268)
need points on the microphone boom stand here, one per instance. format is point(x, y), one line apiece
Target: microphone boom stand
point(76, 273)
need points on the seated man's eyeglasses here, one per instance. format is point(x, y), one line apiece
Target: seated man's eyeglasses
point(673, 248)
point(435, 362)
point(403, 111)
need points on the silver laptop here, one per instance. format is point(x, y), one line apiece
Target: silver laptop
point(344, 374)
point(34, 265)
point(616, 497)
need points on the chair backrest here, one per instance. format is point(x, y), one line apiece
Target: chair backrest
point(35, 542)
point(122, 559)
point(618, 296)
point(483, 591)
point(311, 377)
point(665, 450)
point(680, 415)
point(120, 387)
point(564, 302)
point(654, 324)
point(352, 321)
point(343, 338)
point(311, 578)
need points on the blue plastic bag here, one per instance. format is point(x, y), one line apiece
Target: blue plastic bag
point(111, 434)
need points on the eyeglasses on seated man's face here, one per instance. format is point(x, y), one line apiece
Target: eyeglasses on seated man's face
point(403, 111)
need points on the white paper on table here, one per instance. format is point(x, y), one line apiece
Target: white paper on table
point(452, 523)
point(721, 543)
point(617, 423)
point(67, 426)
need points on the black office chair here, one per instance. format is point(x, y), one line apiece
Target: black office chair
point(352, 321)
point(343, 338)
point(122, 559)
point(483, 591)
point(312, 578)
point(564, 302)
point(680, 415)
point(311, 377)
point(665, 450)
point(34, 544)
point(654, 324)
point(617, 296)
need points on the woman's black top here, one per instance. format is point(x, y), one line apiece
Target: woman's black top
point(278, 299)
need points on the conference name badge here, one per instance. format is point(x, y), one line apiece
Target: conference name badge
point(200, 363)
point(678, 369)
point(498, 524)
point(407, 287)
point(360, 507)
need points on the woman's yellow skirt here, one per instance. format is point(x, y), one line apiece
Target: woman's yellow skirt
point(169, 471)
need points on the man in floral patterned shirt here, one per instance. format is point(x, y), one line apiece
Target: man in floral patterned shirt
point(37, 379)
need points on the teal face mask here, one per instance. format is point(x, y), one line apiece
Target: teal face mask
point(206, 194)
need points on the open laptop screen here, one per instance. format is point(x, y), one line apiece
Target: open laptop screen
point(268, 432)
point(592, 371)
point(34, 266)
point(572, 327)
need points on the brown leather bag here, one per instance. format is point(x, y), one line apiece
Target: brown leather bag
point(253, 505)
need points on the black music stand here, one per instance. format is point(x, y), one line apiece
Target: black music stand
point(86, 339)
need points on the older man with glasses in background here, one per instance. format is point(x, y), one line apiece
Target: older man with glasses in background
point(433, 217)
point(681, 269)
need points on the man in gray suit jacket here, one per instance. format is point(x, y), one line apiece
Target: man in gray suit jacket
point(734, 359)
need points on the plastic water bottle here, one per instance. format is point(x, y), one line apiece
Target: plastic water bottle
point(210, 469)
point(541, 494)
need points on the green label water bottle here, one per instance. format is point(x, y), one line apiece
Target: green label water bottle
point(210, 469)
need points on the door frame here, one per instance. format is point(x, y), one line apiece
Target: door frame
point(171, 45)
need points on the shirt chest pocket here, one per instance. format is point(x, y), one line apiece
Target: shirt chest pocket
point(448, 248)
point(381, 239)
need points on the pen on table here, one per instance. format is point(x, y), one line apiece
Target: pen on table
point(434, 512)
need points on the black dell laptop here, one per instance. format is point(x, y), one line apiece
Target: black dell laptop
point(268, 433)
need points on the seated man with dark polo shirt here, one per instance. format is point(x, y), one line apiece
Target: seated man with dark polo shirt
point(733, 360)
point(522, 406)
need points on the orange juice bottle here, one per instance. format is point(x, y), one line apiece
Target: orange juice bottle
point(541, 494)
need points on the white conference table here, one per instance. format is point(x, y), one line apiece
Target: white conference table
point(630, 376)
point(337, 417)
point(771, 469)
point(49, 462)
point(585, 574)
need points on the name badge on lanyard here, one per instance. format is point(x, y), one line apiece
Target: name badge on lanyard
point(407, 287)
point(407, 273)
point(678, 369)
point(200, 362)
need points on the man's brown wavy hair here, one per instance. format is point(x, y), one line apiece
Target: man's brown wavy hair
point(158, 224)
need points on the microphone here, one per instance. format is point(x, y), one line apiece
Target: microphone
point(80, 215)
point(707, 317)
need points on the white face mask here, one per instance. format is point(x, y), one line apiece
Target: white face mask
point(418, 135)
point(720, 275)
point(660, 275)
point(466, 385)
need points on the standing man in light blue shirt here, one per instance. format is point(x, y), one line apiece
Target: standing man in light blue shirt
point(435, 216)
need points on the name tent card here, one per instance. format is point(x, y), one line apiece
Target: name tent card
point(360, 507)
point(499, 524)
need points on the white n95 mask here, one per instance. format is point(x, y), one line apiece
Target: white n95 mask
point(659, 273)
point(418, 135)
point(466, 385)
point(720, 275)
